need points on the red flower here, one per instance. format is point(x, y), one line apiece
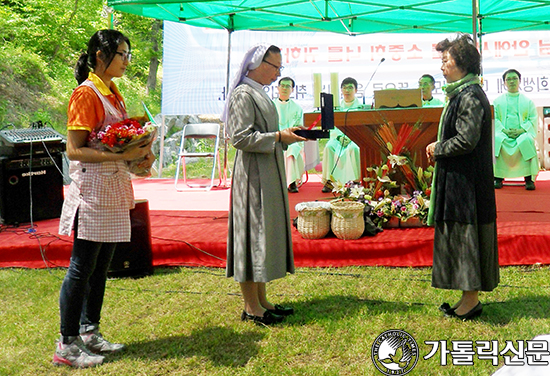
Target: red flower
point(119, 134)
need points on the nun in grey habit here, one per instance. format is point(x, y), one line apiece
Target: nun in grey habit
point(259, 242)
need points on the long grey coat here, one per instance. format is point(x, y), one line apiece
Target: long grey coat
point(465, 239)
point(259, 242)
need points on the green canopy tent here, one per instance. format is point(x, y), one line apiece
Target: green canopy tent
point(352, 17)
point(348, 17)
point(338, 16)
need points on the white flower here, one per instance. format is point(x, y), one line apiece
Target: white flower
point(355, 192)
point(384, 179)
point(397, 160)
point(338, 187)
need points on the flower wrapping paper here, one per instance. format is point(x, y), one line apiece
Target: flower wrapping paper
point(124, 135)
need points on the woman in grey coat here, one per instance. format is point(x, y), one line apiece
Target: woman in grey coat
point(259, 242)
point(462, 204)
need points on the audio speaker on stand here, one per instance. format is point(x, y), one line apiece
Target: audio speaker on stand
point(135, 259)
point(30, 186)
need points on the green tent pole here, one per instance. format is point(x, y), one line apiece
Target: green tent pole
point(227, 77)
point(474, 21)
point(478, 28)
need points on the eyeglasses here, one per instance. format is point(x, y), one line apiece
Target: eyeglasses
point(125, 55)
point(274, 66)
point(285, 86)
point(512, 79)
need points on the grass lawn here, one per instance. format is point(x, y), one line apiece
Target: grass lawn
point(185, 321)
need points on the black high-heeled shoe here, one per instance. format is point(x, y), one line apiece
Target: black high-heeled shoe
point(282, 311)
point(267, 319)
point(470, 315)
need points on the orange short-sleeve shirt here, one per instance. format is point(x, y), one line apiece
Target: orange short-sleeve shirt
point(85, 111)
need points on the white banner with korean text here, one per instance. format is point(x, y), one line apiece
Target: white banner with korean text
point(195, 63)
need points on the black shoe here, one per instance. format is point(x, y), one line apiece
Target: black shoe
point(268, 318)
point(327, 188)
point(282, 311)
point(498, 183)
point(530, 185)
point(292, 188)
point(445, 307)
point(472, 314)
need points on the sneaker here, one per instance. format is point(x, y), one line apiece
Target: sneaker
point(75, 355)
point(498, 183)
point(530, 185)
point(96, 344)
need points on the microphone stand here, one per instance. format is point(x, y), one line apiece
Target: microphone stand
point(370, 79)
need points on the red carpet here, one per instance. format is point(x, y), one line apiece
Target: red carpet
point(190, 228)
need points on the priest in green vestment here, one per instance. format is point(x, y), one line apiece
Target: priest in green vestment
point(515, 133)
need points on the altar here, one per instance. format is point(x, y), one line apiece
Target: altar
point(361, 127)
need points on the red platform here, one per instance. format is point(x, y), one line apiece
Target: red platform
point(190, 228)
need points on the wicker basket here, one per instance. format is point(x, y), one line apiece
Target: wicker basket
point(347, 219)
point(313, 219)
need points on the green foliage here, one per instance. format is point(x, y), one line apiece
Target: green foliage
point(23, 87)
point(52, 28)
point(140, 29)
point(40, 42)
point(134, 93)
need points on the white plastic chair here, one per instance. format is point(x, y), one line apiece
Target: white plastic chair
point(198, 131)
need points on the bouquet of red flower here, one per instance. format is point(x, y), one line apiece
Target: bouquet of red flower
point(124, 135)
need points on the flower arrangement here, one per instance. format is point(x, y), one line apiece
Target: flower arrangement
point(379, 180)
point(122, 136)
point(380, 205)
point(395, 146)
point(352, 191)
point(398, 189)
point(403, 207)
point(384, 197)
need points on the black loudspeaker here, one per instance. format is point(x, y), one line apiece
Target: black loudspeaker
point(327, 111)
point(23, 178)
point(135, 259)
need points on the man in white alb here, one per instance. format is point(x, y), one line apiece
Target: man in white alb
point(290, 115)
point(341, 157)
point(426, 83)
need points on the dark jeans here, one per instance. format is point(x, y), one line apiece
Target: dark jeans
point(83, 288)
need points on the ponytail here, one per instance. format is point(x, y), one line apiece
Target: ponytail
point(82, 70)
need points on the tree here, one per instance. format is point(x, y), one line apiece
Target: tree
point(147, 53)
point(48, 28)
point(154, 61)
